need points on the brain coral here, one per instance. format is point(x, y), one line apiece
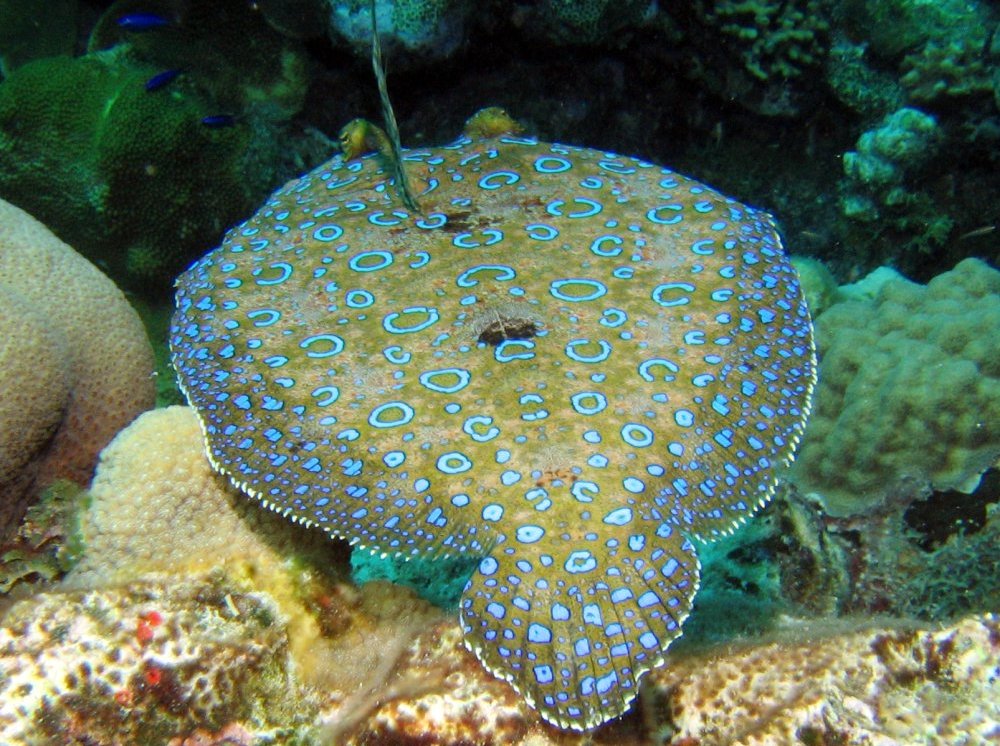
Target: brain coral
point(75, 364)
point(909, 389)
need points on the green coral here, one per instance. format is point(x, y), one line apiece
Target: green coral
point(880, 178)
point(859, 85)
point(130, 178)
point(894, 26)
point(761, 52)
point(909, 389)
point(948, 69)
point(586, 21)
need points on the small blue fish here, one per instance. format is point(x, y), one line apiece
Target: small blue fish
point(217, 121)
point(142, 21)
point(162, 80)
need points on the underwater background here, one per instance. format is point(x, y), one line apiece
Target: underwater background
point(146, 600)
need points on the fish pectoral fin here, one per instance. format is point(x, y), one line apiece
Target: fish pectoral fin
point(573, 626)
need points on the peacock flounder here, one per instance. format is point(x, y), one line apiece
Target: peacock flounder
point(570, 363)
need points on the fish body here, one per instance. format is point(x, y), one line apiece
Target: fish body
point(162, 80)
point(142, 21)
point(218, 121)
point(570, 363)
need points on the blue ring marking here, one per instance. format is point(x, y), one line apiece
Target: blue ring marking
point(501, 355)
point(275, 361)
point(341, 182)
point(284, 267)
point(330, 394)
point(492, 512)
point(702, 380)
point(636, 435)
point(327, 233)
point(388, 323)
point(615, 167)
point(613, 317)
point(584, 491)
point(406, 414)
point(376, 218)
point(657, 294)
point(541, 231)
point(580, 561)
point(684, 417)
point(721, 296)
point(623, 273)
point(694, 337)
point(453, 462)
point(600, 357)
point(599, 405)
point(469, 428)
point(645, 365)
point(359, 298)
point(392, 459)
point(599, 289)
point(559, 164)
point(502, 178)
point(434, 220)
point(594, 208)
point(529, 534)
point(355, 261)
point(232, 282)
point(396, 355)
point(336, 345)
point(422, 258)
point(592, 182)
point(654, 214)
point(619, 517)
point(597, 245)
point(698, 247)
point(427, 379)
point(269, 312)
point(504, 273)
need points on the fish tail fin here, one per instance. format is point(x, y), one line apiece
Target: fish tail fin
point(574, 624)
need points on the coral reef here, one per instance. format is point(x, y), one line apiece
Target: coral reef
point(140, 172)
point(76, 365)
point(47, 543)
point(909, 390)
point(885, 684)
point(885, 158)
point(425, 29)
point(760, 52)
point(587, 22)
point(143, 663)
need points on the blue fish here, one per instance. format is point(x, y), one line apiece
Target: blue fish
point(142, 21)
point(217, 121)
point(162, 80)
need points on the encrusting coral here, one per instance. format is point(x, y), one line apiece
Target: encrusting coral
point(75, 364)
point(909, 390)
point(142, 663)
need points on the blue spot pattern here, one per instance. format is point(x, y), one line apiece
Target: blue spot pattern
point(572, 364)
